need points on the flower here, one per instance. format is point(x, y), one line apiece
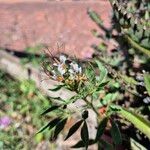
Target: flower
point(75, 68)
point(4, 122)
point(62, 68)
point(62, 58)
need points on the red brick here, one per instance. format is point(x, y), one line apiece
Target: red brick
point(30, 23)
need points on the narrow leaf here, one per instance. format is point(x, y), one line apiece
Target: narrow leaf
point(74, 128)
point(43, 128)
point(101, 86)
point(85, 134)
point(147, 82)
point(103, 71)
point(115, 133)
point(57, 88)
point(54, 122)
point(51, 124)
point(50, 109)
point(81, 143)
point(138, 121)
point(101, 128)
point(135, 145)
point(59, 127)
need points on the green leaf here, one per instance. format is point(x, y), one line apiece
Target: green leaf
point(110, 97)
point(137, 46)
point(138, 121)
point(51, 124)
point(85, 134)
point(103, 71)
point(95, 17)
point(105, 145)
point(101, 128)
point(81, 143)
point(136, 146)
point(50, 109)
point(100, 87)
point(1, 145)
point(43, 128)
point(115, 133)
point(73, 129)
point(90, 74)
point(54, 122)
point(146, 43)
point(147, 82)
point(58, 87)
point(59, 128)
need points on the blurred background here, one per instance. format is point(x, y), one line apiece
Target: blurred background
point(26, 28)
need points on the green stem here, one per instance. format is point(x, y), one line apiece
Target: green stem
point(137, 46)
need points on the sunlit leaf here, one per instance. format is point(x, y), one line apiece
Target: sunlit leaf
point(101, 128)
point(103, 71)
point(138, 121)
point(115, 133)
point(110, 97)
point(73, 129)
point(85, 134)
point(50, 109)
point(147, 82)
point(136, 146)
point(101, 86)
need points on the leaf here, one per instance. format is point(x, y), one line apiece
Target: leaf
point(59, 127)
point(51, 124)
point(103, 71)
point(105, 145)
point(50, 109)
point(146, 43)
point(135, 145)
point(73, 129)
point(138, 121)
point(95, 17)
point(110, 97)
point(57, 98)
point(100, 87)
point(137, 46)
point(85, 134)
point(147, 82)
point(85, 114)
point(54, 122)
point(57, 87)
point(115, 133)
point(81, 143)
point(101, 128)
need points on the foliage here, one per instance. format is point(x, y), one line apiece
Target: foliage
point(109, 85)
point(22, 103)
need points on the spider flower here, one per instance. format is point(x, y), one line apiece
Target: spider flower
point(68, 72)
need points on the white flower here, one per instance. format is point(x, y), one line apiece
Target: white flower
point(80, 70)
point(71, 71)
point(62, 69)
point(62, 58)
point(76, 68)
